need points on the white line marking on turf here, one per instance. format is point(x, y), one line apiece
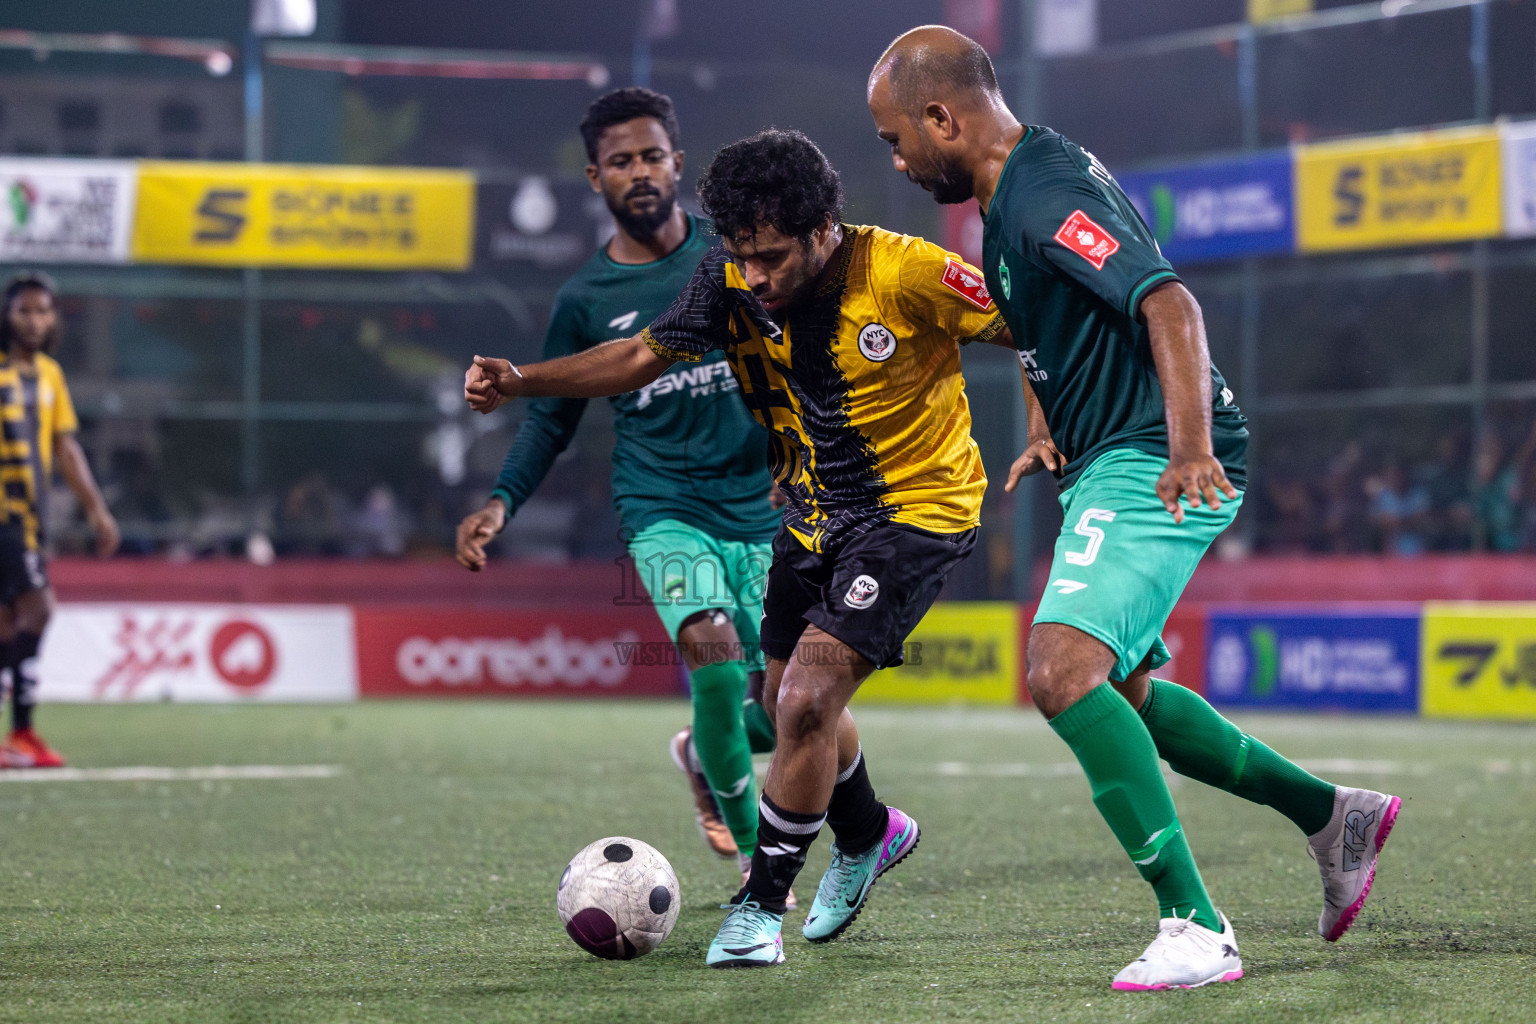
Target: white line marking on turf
point(145, 773)
point(1011, 770)
point(1345, 766)
point(1067, 769)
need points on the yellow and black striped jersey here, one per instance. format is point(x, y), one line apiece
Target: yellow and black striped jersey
point(35, 408)
point(861, 388)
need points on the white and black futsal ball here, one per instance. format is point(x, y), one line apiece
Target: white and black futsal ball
point(618, 898)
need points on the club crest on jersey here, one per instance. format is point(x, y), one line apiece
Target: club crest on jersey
point(1087, 239)
point(877, 342)
point(862, 593)
point(965, 282)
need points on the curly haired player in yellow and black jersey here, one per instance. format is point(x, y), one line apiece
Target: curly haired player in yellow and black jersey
point(37, 425)
point(846, 342)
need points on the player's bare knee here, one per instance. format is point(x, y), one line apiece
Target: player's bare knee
point(803, 712)
point(1049, 687)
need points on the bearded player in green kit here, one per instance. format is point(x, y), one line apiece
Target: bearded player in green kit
point(690, 465)
point(1113, 346)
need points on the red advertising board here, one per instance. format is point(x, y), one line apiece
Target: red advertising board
point(437, 651)
point(1184, 633)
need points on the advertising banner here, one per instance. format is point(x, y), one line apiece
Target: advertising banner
point(1518, 142)
point(537, 224)
point(960, 653)
point(442, 651)
point(1218, 210)
point(1479, 660)
point(1184, 635)
point(65, 211)
point(1441, 186)
point(304, 216)
point(198, 653)
point(1313, 658)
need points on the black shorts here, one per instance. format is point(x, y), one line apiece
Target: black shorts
point(870, 591)
point(22, 569)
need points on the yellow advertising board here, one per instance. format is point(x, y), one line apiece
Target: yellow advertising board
point(1260, 11)
point(1479, 660)
point(291, 215)
point(1398, 190)
point(965, 652)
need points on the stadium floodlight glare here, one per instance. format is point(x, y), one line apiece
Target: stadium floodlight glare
point(217, 56)
point(431, 62)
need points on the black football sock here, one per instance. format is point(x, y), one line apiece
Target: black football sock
point(855, 816)
point(21, 659)
point(783, 837)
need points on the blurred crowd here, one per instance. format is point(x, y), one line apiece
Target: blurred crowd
point(1467, 494)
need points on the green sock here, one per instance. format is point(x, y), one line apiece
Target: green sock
point(1121, 763)
point(720, 738)
point(760, 734)
point(1198, 743)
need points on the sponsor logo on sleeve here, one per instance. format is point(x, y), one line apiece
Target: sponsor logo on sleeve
point(877, 342)
point(967, 283)
point(1080, 234)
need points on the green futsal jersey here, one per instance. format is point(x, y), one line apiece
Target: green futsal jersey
point(1068, 260)
point(685, 448)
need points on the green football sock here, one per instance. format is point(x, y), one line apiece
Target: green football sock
point(1121, 763)
point(760, 734)
point(720, 738)
point(1198, 743)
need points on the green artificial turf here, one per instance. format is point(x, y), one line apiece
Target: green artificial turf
point(418, 884)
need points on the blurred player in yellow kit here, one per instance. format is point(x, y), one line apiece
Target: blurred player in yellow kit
point(37, 426)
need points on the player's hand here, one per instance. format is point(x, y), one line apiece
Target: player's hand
point(1040, 455)
point(108, 536)
point(488, 381)
point(776, 497)
point(476, 531)
point(1198, 479)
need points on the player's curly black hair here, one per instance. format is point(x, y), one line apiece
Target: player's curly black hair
point(21, 283)
point(778, 178)
point(625, 105)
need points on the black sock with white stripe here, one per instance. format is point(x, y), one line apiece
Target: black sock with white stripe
point(783, 837)
point(856, 816)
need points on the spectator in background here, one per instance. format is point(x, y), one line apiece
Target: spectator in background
point(1398, 507)
point(311, 518)
point(141, 504)
point(1448, 523)
point(1344, 525)
point(39, 425)
point(1497, 491)
point(378, 527)
point(1289, 513)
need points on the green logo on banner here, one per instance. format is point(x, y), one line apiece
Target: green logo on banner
point(1164, 213)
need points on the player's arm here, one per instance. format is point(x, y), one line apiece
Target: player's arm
point(77, 473)
point(1177, 334)
point(1041, 453)
point(608, 369)
point(546, 432)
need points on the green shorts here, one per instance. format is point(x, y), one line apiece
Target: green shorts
point(686, 571)
point(1121, 561)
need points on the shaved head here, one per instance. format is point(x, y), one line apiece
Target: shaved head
point(933, 62)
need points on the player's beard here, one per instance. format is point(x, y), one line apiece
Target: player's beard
point(643, 225)
point(947, 182)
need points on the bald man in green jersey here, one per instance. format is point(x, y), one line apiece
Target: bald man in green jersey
point(1140, 425)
